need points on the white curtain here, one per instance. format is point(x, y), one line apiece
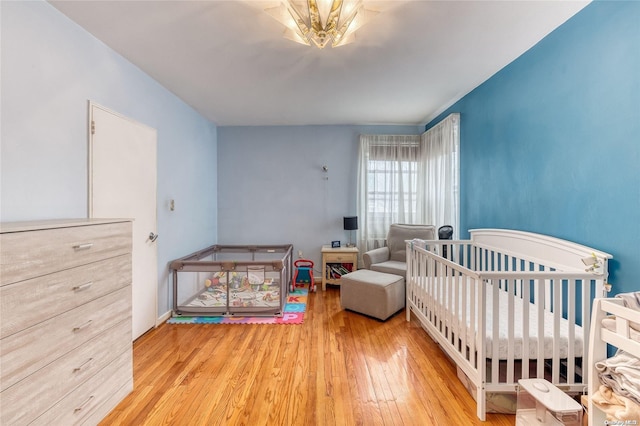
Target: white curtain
point(408, 179)
point(439, 174)
point(387, 187)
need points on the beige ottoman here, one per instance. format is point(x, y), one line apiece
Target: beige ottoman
point(372, 293)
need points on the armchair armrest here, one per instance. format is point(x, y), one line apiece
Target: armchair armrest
point(374, 256)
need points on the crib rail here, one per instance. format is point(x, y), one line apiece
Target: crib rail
point(482, 306)
point(622, 337)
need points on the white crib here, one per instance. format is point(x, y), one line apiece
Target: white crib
point(538, 284)
point(619, 332)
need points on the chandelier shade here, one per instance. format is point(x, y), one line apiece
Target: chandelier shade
point(320, 22)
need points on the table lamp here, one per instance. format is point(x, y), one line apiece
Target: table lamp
point(350, 224)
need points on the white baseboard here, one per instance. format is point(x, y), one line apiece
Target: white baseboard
point(163, 318)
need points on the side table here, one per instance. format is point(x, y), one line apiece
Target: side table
point(337, 262)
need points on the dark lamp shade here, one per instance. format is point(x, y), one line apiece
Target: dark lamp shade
point(350, 223)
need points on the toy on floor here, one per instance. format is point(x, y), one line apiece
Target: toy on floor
point(303, 273)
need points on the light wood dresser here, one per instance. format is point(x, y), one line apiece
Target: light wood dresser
point(65, 320)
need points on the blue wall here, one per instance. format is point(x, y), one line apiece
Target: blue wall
point(551, 143)
point(272, 189)
point(51, 67)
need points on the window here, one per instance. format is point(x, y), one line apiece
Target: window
point(392, 183)
point(408, 179)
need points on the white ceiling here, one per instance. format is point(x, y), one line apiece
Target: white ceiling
point(229, 61)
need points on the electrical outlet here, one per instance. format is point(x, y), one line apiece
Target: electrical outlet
point(300, 254)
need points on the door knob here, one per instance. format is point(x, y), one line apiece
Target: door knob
point(153, 237)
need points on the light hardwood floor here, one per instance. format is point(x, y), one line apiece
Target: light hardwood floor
point(337, 368)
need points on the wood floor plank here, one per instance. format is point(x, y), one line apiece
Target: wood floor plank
point(337, 368)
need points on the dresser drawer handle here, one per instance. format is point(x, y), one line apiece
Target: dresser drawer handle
point(83, 286)
point(83, 326)
point(84, 404)
point(81, 366)
point(86, 246)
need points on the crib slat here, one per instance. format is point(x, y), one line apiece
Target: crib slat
point(526, 294)
point(557, 312)
point(571, 316)
point(459, 328)
point(510, 331)
point(495, 335)
point(476, 323)
point(450, 307)
point(465, 291)
point(586, 326)
point(540, 300)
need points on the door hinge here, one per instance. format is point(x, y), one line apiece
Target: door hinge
point(93, 127)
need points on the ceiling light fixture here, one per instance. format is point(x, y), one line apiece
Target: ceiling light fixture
point(321, 21)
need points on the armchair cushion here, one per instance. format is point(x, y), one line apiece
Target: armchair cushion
point(392, 258)
point(399, 233)
point(391, 267)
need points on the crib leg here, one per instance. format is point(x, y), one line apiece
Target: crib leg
point(481, 409)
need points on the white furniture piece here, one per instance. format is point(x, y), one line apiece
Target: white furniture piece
point(65, 320)
point(337, 262)
point(506, 305)
point(541, 403)
point(615, 324)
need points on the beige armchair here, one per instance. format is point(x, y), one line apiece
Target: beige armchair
point(392, 258)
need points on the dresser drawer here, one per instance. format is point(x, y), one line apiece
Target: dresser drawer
point(48, 385)
point(29, 350)
point(82, 402)
point(25, 255)
point(115, 398)
point(340, 257)
point(26, 303)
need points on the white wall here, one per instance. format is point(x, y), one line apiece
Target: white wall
point(50, 68)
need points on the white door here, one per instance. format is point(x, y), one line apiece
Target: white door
point(122, 184)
